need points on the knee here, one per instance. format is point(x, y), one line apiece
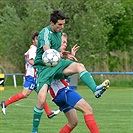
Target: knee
point(26, 95)
point(80, 67)
point(74, 123)
point(41, 101)
point(88, 110)
point(83, 106)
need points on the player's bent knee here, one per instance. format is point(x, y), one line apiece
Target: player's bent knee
point(26, 95)
point(80, 67)
point(74, 123)
point(88, 110)
point(84, 107)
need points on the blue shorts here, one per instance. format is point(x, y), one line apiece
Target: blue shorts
point(66, 99)
point(30, 83)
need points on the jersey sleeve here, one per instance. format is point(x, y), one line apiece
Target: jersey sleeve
point(44, 37)
point(32, 52)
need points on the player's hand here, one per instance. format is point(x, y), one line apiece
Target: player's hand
point(74, 49)
point(64, 53)
point(71, 57)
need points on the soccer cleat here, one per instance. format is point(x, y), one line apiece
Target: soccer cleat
point(54, 113)
point(34, 132)
point(100, 89)
point(3, 107)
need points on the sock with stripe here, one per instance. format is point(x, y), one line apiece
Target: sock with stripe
point(36, 118)
point(88, 80)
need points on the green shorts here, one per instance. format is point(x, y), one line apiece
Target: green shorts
point(45, 74)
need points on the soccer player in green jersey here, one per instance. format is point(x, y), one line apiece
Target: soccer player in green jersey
point(50, 38)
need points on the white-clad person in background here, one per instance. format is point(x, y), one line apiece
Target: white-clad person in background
point(30, 80)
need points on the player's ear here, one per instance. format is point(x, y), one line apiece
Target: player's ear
point(32, 40)
point(51, 23)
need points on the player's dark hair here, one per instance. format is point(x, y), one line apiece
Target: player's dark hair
point(57, 15)
point(34, 35)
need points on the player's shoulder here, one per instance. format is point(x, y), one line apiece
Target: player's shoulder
point(32, 49)
point(33, 46)
point(46, 32)
point(47, 28)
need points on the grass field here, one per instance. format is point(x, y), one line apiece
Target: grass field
point(113, 112)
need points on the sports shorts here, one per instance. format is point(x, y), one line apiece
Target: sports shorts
point(66, 99)
point(45, 74)
point(30, 83)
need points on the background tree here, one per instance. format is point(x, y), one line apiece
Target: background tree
point(103, 29)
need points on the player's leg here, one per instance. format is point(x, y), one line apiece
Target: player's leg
point(84, 75)
point(72, 118)
point(38, 109)
point(67, 99)
point(76, 101)
point(50, 114)
point(70, 113)
point(86, 109)
point(24, 94)
point(86, 78)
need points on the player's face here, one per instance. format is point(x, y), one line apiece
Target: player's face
point(58, 26)
point(63, 44)
point(35, 40)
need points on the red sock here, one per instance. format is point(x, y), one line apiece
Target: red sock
point(66, 129)
point(14, 98)
point(47, 109)
point(91, 123)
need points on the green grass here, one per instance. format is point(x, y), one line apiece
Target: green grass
point(113, 112)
